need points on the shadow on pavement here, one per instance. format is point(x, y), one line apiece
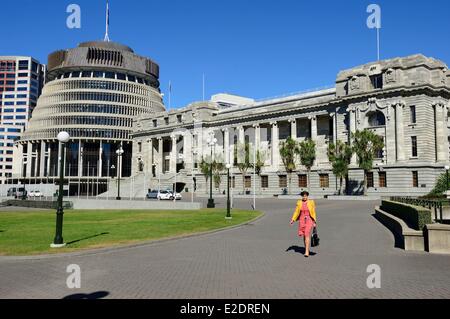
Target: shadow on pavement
point(94, 295)
point(398, 238)
point(85, 238)
point(300, 250)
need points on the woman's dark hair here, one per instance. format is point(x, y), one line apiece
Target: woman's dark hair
point(304, 193)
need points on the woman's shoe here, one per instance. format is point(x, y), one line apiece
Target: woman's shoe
point(306, 255)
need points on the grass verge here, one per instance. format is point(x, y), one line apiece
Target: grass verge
point(31, 233)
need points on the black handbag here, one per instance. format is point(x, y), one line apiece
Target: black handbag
point(315, 240)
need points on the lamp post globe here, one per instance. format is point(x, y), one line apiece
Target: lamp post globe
point(63, 137)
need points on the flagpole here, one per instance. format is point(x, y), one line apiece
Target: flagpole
point(107, 22)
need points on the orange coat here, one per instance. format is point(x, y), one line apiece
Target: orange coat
point(311, 206)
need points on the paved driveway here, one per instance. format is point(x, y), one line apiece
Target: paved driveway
point(260, 260)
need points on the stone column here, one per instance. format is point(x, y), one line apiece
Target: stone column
point(42, 160)
point(313, 120)
point(441, 133)
point(173, 154)
point(390, 144)
point(161, 154)
point(226, 145)
point(29, 158)
point(399, 132)
point(351, 131)
point(150, 157)
point(187, 149)
point(293, 128)
point(48, 159)
point(241, 135)
point(275, 147)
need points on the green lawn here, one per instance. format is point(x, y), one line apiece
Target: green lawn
point(29, 233)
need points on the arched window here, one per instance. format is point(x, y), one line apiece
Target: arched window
point(376, 119)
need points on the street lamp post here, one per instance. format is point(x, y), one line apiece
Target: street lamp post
point(211, 142)
point(119, 153)
point(63, 138)
point(228, 193)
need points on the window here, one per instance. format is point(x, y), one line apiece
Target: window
point(264, 181)
point(414, 146)
point(121, 76)
point(110, 75)
point(86, 74)
point(377, 119)
point(166, 120)
point(155, 123)
point(412, 114)
point(415, 178)
point(324, 180)
point(282, 181)
point(23, 75)
point(23, 65)
point(248, 182)
point(377, 81)
point(369, 178)
point(382, 179)
point(139, 147)
point(302, 181)
point(179, 118)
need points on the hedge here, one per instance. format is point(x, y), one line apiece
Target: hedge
point(37, 204)
point(415, 217)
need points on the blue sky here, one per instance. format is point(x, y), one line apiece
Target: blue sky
point(253, 48)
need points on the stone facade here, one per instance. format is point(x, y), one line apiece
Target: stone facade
point(404, 100)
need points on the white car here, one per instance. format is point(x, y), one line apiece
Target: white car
point(177, 196)
point(35, 194)
point(164, 195)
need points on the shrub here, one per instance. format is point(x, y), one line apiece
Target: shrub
point(414, 216)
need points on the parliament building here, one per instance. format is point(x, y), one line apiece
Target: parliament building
point(404, 100)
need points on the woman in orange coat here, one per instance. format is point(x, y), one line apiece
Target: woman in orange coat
point(305, 213)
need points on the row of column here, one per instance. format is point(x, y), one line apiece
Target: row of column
point(157, 157)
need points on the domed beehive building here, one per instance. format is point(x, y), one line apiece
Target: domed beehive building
point(93, 92)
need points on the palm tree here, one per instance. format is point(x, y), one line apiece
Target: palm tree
point(242, 155)
point(307, 152)
point(365, 145)
point(218, 168)
point(340, 155)
point(205, 168)
point(261, 157)
point(288, 150)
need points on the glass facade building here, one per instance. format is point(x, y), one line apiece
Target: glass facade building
point(21, 81)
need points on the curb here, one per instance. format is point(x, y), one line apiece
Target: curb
point(90, 252)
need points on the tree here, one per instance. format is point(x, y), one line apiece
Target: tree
point(205, 168)
point(218, 168)
point(440, 187)
point(365, 145)
point(261, 157)
point(307, 152)
point(340, 155)
point(242, 155)
point(288, 151)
